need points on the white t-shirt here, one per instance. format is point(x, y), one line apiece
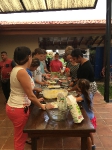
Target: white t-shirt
point(37, 75)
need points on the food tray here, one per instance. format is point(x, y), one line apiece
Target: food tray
point(52, 93)
point(51, 82)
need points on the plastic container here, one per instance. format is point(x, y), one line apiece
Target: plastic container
point(60, 113)
point(57, 115)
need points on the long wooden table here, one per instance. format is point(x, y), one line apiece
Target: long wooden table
point(39, 125)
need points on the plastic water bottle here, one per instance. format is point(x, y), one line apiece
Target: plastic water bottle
point(61, 101)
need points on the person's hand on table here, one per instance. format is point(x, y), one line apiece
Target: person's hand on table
point(43, 83)
point(68, 78)
point(46, 82)
point(40, 99)
point(48, 76)
point(39, 90)
point(69, 89)
point(49, 106)
point(71, 84)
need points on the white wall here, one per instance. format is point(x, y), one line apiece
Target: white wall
point(9, 42)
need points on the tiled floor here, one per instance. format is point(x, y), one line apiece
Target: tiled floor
point(103, 135)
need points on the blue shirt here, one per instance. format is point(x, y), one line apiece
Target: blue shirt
point(42, 67)
point(29, 72)
point(89, 112)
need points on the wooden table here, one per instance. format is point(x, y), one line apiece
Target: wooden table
point(39, 125)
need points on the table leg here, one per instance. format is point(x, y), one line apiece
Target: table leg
point(83, 143)
point(34, 144)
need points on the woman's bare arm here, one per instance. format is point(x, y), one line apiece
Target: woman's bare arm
point(25, 82)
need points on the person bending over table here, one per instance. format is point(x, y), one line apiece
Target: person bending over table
point(35, 63)
point(85, 70)
point(21, 96)
point(72, 69)
point(37, 74)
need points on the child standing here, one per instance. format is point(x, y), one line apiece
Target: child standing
point(34, 65)
point(86, 97)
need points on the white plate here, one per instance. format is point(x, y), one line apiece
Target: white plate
point(51, 82)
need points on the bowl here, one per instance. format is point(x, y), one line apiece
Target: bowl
point(57, 115)
point(52, 93)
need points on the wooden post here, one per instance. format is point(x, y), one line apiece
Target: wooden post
point(108, 46)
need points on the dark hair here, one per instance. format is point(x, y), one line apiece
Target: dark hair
point(21, 55)
point(84, 86)
point(44, 51)
point(37, 51)
point(57, 54)
point(35, 62)
point(3, 52)
point(77, 52)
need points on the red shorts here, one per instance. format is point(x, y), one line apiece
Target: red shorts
point(93, 121)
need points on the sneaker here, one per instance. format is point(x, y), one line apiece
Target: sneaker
point(93, 147)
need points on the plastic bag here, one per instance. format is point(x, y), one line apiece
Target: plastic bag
point(74, 109)
point(61, 101)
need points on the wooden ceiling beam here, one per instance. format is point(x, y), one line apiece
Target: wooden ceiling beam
point(67, 39)
point(53, 41)
point(75, 42)
point(101, 40)
point(60, 40)
point(89, 39)
point(80, 41)
point(23, 5)
point(95, 40)
point(46, 4)
point(53, 29)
